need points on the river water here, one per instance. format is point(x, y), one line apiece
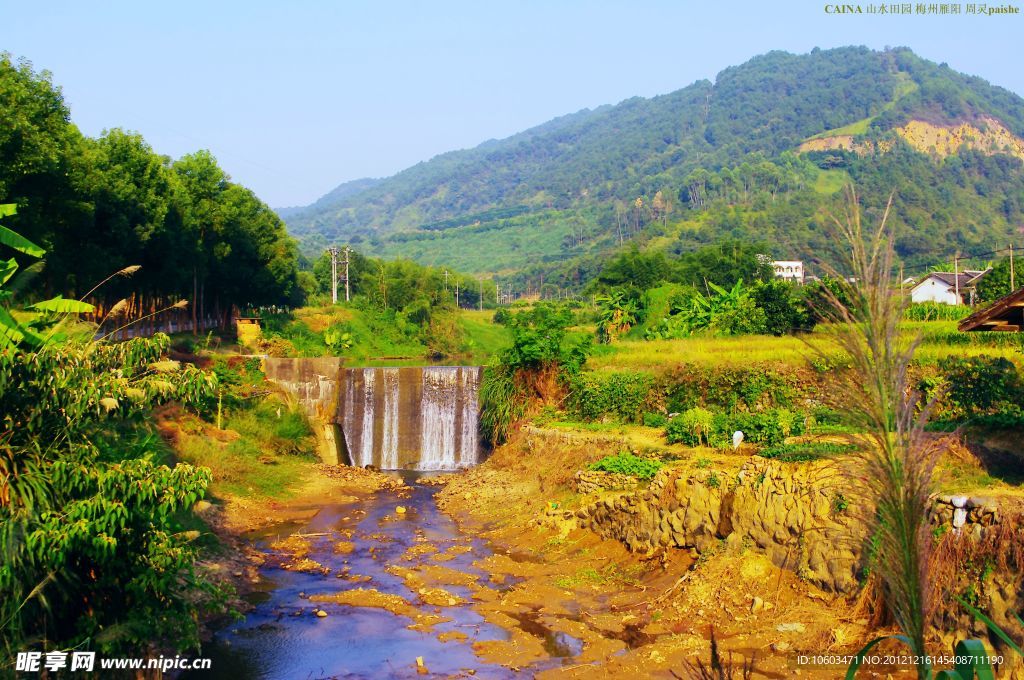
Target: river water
point(283, 638)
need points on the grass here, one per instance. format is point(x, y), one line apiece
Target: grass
point(829, 182)
point(262, 450)
point(631, 354)
point(483, 336)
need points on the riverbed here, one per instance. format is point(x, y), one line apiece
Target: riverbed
point(354, 603)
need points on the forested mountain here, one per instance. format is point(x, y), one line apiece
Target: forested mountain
point(729, 158)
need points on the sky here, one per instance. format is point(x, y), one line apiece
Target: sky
point(296, 97)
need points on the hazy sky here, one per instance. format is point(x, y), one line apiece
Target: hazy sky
point(295, 97)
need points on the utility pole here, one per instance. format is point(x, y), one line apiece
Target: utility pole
point(333, 250)
point(956, 275)
point(445, 280)
point(1013, 287)
point(456, 294)
point(347, 251)
point(497, 293)
point(481, 295)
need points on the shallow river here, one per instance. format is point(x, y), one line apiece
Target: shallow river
point(283, 638)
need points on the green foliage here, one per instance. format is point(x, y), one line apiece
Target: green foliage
point(502, 401)
point(933, 311)
point(337, 340)
point(805, 451)
point(783, 309)
point(593, 396)
point(996, 283)
point(726, 312)
point(628, 464)
point(618, 311)
point(727, 388)
point(96, 528)
point(692, 427)
point(539, 340)
point(981, 385)
point(654, 419)
point(99, 205)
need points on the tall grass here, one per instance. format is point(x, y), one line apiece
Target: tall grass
point(895, 461)
point(502, 401)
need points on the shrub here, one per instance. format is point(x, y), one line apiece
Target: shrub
point(593, 396)
point(655, 419)
point(796, 453)
point(628, 464)
point(693, 428)
point(980, 384)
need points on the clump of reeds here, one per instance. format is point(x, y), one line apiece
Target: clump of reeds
point(895, 463)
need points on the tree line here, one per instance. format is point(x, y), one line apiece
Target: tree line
point(181, 228)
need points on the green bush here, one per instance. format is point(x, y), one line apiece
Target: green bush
point(593, 396)
point(628, 464)
point(655, 419)
point(729, 387)
point(693, 427)
point(981, 385)
point(796, 453)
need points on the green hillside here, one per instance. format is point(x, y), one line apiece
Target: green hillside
point(708, 161)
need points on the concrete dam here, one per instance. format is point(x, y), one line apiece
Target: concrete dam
point(396, 418)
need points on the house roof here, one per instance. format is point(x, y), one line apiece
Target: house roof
point(967, 278)
point(1005, 314)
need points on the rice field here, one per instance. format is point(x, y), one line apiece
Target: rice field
point(939, 339)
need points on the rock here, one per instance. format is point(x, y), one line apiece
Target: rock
point(959, 517)
point(400, 510)
point(757, 605)
point(320, 613)
point(780, 646)
point(958, 501)
point(201, 506)
point(791, 628)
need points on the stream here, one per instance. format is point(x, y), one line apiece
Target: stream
point(284, 638)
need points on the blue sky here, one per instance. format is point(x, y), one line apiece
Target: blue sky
point(296, 97)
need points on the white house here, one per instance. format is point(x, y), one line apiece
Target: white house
point(942, 287)
point(789, 270)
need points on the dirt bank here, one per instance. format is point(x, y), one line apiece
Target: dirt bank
point(637, 615)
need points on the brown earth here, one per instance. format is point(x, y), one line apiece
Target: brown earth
point(636, 615)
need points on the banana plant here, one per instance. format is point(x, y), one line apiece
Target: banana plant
point(14, 333)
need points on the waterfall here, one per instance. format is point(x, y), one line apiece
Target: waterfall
point(418, 418)
point(389, 443)
point(469, 386)
point(437, 410)
point(366, 448)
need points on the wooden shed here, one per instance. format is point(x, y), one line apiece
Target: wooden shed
point(1005, 314)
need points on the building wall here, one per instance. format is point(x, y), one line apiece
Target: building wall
point(933, 290)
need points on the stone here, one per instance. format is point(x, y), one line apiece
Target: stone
point(958, 501)
point(780, 647)
point(757, 605)
point(400, 510)
point(791, 628)
point(321, 613)
point(959, 517)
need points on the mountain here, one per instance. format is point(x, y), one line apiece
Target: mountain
point(756, 154)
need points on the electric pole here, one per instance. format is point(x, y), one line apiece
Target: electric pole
point(1012, 286)
point(333, 250)
point(481, 295)
point(456, 294)
point(956, 275)
point(347, 251)
point(445, 280)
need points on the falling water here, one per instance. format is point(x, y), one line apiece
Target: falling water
point(366, 450)
point(469, 385)
point(418, 418)
point(389, 443)
point(437, 410)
